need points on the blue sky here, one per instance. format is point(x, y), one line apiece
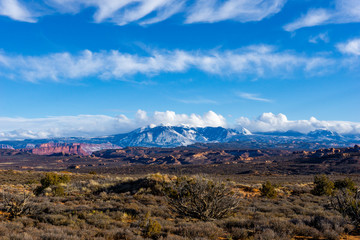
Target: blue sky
point(235, 58)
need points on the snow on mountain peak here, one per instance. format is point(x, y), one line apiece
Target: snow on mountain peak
point(245, 131)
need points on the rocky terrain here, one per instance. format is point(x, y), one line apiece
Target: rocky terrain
point(276, 152)
point(57, 148)
point(186, 155)
point(82, 149)
point(211, 158)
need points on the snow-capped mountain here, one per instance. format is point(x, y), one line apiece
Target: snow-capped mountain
point(174, 136)
point(171, 136)
point(324, 134)
point(284, 134)
point(245, 131)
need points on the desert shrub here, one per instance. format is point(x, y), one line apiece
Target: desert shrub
point(268, 190)
point(56, 235)
point(346, 183)
point(125, 234)
point(27, 222)
point(152, 228)
point(239, 233)
point(133, 187)
point(53, 180)
point(267, 234)
point(281, 226)
point(331, 235)
point(348, 204)
point(58, 190)
point(16, 204)
point(322, 186)
point(321, 223)
point(303, 230)
point(31, 181)
point(21, 236)
point(199, 230)
point(230, 223)
point(200, 198)
point(99, 220)
point(174, 237)
point(58, 220)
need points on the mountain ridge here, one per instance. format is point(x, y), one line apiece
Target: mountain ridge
point(174, 136)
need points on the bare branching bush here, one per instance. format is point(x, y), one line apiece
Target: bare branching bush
point(201, 198)
point(16, 205)
point(347, 202)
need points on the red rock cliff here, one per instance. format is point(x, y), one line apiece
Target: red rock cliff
point(82, 149)
point(64, 148)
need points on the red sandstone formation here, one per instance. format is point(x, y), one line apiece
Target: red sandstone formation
point(82, 149)
point(62, 148)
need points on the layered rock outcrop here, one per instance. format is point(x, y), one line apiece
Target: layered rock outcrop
point(82, 149)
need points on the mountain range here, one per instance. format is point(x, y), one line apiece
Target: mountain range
point(173, 136)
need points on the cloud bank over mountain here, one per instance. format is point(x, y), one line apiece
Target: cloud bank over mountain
point(101, 125)
point(268, 122)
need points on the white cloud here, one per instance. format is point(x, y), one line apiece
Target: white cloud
point(268, 122)
point(324, 37)
point(102, 125)
point(351, 47)
point(345, 11)
point(82, 125)
point(253, 61)
point(122, 12)
point(239, 10)
point(16, 11)
point(98, 125)
point(312, 18)
point(171, 118)
point(253, 97)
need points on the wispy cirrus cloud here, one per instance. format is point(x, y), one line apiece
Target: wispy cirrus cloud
point(122, 12)
point(252, 96)
point(345, 11)
point(16, 11)
point(321, 37)
point(253, 61)
point(242, 11)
